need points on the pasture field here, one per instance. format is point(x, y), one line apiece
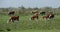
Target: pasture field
point(34, 30)
point(27, 25)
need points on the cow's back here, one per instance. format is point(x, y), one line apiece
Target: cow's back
point(15, 17)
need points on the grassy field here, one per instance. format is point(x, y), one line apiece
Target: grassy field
point(27, 25)
point(34, 30)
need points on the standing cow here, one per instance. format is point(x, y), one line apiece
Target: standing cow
point(51, 16)
point(35, 16)
point(13, 18)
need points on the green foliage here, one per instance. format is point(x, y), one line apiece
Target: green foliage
point(23, 10)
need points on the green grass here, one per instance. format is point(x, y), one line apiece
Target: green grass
point(33, 30)
point(27, 25)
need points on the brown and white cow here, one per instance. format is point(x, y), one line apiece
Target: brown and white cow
point(50, 16)
point(35, 16)
point(13, 18)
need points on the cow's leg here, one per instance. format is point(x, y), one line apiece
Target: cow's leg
point(9, 21)
point(17, 19)
point(13, 21)
point(32, 18)
point(37, 17)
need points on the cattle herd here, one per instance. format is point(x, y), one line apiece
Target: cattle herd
point(13, 17)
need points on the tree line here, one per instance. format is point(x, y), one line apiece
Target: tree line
point(23, 10)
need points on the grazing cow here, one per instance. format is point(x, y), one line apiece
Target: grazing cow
point(11, 13)
point(35, 16)
point(13, 18)
point(50, 16)
point(42, 13)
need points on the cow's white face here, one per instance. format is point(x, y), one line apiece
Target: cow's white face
point(49, 15)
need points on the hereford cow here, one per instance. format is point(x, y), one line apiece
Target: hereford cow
point(13, 18)
point(35, 16)
point(50, 16)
